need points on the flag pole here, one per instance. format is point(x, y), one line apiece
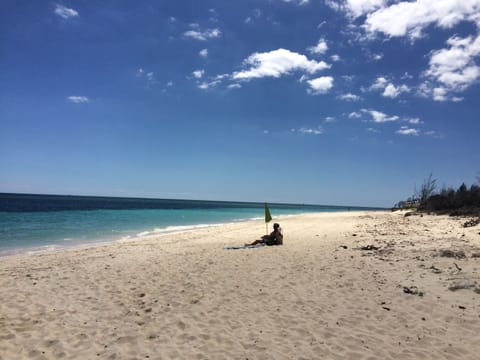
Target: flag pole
point(268, 217)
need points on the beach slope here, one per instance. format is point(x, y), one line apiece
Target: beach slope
point(359, 285)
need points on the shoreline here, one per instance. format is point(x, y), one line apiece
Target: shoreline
point(56, 246)
point(65, 245)
point(145, 235)
point(184, 296)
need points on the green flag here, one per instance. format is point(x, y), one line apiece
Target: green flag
point(268, 216)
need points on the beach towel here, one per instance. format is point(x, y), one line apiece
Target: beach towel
point(238, 247)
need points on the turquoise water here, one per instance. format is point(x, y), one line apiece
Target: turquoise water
point(41, 222)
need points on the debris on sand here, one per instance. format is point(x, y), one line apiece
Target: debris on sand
point(461, 286)
point(472, 222)
point(412, 290)
point(368, 247)
point(452, 254)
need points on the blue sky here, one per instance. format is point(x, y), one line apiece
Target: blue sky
point(346, 102)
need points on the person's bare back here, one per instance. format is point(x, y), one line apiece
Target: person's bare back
point(274, 238)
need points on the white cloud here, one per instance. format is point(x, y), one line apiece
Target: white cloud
point(377, 57)
point(334, 5)
point(297, 2)
point(320, 48)
point(307, 131)
point(276, 63)
point(213, 15)
point(208, 85)
point(433, 134)
point(454, 68)
point(64, 12)
point(354, 115)
point(409, 18)
point(393, 91)
point(379, 83)
point(355, 8)
point(349, 97)
point(78, 99)
point(320, 85)
point(380, 117)
point(329, 119)
point(202, 35)
point(204, 86)
point(389, 89)
point(440, 94)
point(148, 77)
point(424, 89)
point(203, 53)
point(256, 14)
point(198, 73)
point(303, 78)
point(221, 77)
point(405, 130)
point(234, 86)
point(335, 57)
point(414, 121)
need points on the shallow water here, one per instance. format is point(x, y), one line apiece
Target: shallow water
point(49, 221)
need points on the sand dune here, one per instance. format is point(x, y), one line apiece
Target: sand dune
point(182, 296)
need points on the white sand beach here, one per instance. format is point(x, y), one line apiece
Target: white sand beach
point(319, 296)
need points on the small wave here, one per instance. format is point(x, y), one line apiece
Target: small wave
point(143, 233)
point(172, 229)
point(180, 228)
point(43, 249)
point(184, 227)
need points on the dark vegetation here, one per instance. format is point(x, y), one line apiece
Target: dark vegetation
point(464, 201)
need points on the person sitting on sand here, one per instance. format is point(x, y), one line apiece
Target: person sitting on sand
point(274, 238)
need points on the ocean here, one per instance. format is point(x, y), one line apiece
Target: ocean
point(30, 222)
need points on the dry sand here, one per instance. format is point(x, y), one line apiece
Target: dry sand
point(182, 296)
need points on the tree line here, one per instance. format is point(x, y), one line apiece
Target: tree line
point(462, 201)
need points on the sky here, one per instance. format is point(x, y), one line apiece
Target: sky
point(338, 102)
